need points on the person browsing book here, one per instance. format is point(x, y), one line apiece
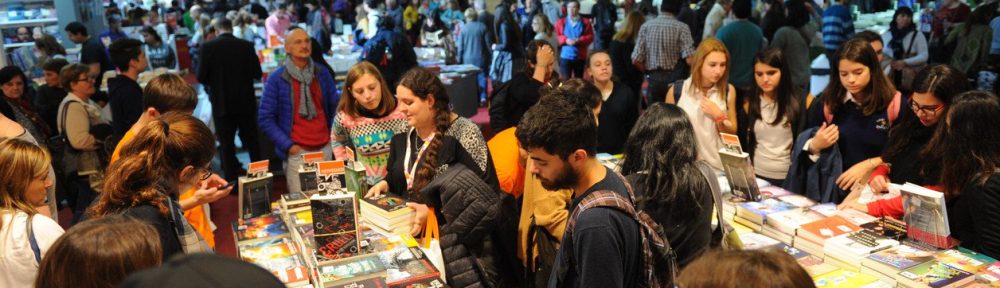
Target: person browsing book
point(771, 117)
point(661, 164)
point(708, 99)
point(913, 152)
point(858, 105)
point(168, 155)
point(367, 119)
point(971, 158)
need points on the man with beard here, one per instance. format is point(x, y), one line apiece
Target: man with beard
point(604, 248)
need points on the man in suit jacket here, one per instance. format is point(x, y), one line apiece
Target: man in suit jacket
point(228, 70)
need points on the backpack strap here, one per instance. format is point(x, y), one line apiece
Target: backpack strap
point(34, 242)
point(678, 88)
point(893, 109)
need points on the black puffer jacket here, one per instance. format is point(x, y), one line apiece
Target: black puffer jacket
point(468, 211)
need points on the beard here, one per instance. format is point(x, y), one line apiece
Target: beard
point(566, 179)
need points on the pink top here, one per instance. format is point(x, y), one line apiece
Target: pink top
point(276, 25)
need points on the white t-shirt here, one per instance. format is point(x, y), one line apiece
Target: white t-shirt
point(17, 263)
point(704, 126)
point(772, 156)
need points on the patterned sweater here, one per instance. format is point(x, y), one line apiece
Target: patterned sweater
point(369, 138)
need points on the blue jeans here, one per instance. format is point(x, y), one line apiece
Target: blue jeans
point(481, 80)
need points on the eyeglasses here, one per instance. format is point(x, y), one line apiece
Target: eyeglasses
point(205, 173)
point(87, 78)
point(930, 110)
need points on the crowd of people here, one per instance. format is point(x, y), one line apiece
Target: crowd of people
point(524, 201)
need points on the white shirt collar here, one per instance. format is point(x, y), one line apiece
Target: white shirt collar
point(850, 97)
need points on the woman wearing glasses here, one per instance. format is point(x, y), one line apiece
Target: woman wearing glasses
point(168, 155)
point(913, 153)
point(80, 119)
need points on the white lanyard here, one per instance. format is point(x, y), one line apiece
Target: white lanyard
point(410, 172)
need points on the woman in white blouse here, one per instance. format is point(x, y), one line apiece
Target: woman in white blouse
point(708, 99)
point(24, 235)
point(906, 47)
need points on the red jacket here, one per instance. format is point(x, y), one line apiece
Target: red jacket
point(585, 38)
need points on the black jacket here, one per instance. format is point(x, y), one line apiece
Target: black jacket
point(229, 67)
point(467, 210)
point(974, 216)
point(125, 97)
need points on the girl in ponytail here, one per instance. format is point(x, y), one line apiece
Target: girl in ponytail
point(168, 155)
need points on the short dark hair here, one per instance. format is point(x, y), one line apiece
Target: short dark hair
point(558, 126)
point(123, 51)
point(372, 3)
point(577, 92)
point(223, 24)
point(55, 65)
point(76, 28)
point(169, 92)
point(742, 9)
point(71, 73)
point(671, 6)
point(869, 36)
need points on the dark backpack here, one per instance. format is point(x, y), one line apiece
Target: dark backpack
point(659, 259)
point(538, 270)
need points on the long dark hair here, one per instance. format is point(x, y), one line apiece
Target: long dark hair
point(504, 16)
point(785, 95)
point(798, 14)
point(878, 93)
point(424, 85)
point(942, 81)
point(662, 145)
point(901, 11)
point(972, 141)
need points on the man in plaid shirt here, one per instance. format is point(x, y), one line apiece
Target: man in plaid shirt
point(660, 44)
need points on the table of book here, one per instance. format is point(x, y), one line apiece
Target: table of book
point(285, 243)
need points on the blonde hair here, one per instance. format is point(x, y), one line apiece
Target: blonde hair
point(20, 163)
point(349, 105)
point(633, 21)
point(706, 47)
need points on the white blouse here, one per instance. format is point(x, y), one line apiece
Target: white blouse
point(18, 267)
point(705, 130)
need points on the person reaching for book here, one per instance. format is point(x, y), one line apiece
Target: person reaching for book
point(914, 149)
point(858, 108)
point(969, 171)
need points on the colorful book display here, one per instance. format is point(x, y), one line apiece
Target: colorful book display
point(255, 190)
point(355, 175)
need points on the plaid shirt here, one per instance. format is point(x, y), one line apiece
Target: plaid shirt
point(661, 42)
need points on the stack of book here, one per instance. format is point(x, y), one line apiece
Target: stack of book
point(368, 268)
point(848, 250)
point(886, 264)
point(387, 214)
point(785, 225)
point(409, 266)
point(841, 278)
point(934, 273)
point(813, 264)
point(292, 202)
point(754, 214)
point(335, 226)
point(811, 237)
point(265, 242)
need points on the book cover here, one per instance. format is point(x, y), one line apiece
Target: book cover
point(740, 174)
point(293, 200)
point(301, 218)
point(355, 175)
point(965, 259)
point(362, 282)
point(789, 221)
point(347, 271)
point(773, 192)
point(843, 278)
point(853, 247)
point(386, 204)
point(330, 176)
point(294, 276)
point(255, 191)
point(934, 274)
point(405, 264)
point(307, 172)
point(819, 231)
point(758, 211)
point(886, 227)
point(335, 226)
point(856, 217)
point(926, 215)
point(898, 258)
point(990, 276)
point(825, 209)
point(797, 200)
point(275, 251)
point(753, 241)
point(260, 228)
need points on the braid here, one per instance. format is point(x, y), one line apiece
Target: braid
point(428, 169)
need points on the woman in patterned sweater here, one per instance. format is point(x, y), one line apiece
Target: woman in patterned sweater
point(367, 118)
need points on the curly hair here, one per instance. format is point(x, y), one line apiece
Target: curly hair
point(150, 165)
point(425, 85)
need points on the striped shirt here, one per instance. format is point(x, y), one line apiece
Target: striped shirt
point(661, 42)
point(838, 26)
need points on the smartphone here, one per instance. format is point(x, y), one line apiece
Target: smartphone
point(227, 186)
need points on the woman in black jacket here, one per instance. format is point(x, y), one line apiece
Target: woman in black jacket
point(969, 171)
point(508, 54)
point(661, 164)
point(523, 90)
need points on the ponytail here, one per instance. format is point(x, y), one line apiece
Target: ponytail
point(149, 167)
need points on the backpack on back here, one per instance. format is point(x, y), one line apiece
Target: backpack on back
point(659, 259)
point(892, 110)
